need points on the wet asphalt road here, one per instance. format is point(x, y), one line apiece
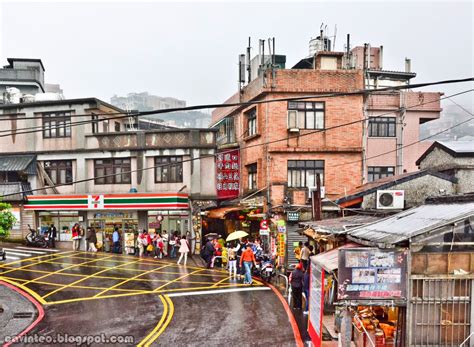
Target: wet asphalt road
point(148, 302)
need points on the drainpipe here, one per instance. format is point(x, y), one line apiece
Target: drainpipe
point(399, 128)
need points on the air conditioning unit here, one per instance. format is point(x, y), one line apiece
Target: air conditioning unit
point(313, 189)
point(390, 199)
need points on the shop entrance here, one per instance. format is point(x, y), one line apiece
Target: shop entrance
point(105, 222)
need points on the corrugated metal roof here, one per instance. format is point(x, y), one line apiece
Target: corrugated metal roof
point(330, 260)
point(16, 163)
point(410, 223)
point(340, 225)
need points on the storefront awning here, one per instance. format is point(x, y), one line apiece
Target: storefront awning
point(165, 201)
point(18, 163)
point(329, 260)
point(219, 213)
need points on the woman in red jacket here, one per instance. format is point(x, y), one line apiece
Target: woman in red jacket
point(247, 258)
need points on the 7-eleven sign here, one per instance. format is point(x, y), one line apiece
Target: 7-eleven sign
point(95, 202)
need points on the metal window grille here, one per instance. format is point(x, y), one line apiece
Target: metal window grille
point(440, 311)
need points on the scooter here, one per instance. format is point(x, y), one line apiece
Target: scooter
point(267, 268)
point(35, 239)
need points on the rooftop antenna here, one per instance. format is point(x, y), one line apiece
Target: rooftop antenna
point(335, 34)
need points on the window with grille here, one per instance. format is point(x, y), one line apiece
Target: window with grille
point(377, 172)
point(251, 122)
point(302, 173)
point(119, 169)
point(168, 169)
point(252, 176)
point(382, 126)
point(60, 171)
point(306, 115)
point(57, 125)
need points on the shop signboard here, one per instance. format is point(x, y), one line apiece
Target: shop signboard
point(293, 216)
point(316, 304)
point(372, 273)
point(228, 174)
point(145, 201)
point(17, 214)
point(129, 239)
point(281, 245)
point(264, 228)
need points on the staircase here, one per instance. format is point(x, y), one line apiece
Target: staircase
point(293, 236)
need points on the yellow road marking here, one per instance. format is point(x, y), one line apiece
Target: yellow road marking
point(26, 266)
point(177, 279)
point(165, 324)
point(60, 270)
point(26, 289)
point(87, 277)
point(160, 322)
point(222, 280)
point(35, 258)
point(130, 279)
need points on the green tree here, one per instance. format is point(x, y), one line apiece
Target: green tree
point(7, 219)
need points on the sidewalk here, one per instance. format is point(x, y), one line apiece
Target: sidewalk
point(18, 312)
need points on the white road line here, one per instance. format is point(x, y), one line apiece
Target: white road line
point(12, 258)
point(218, 291)
point(39, 249)
point(22, 252)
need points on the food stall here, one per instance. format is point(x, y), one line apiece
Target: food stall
point(372, 286)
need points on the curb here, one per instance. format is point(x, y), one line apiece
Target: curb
point(294, 325)
point(34, 302)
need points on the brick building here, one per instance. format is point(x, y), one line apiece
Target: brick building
point(282, 171)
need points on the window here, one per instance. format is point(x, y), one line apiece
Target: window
point(57, 125)
point(168, 169)
point(119, 168)
point(95, 123)
point(60, 171)
point(252, 173)
point(105, 125)
point(252, 122)
point(117, 127)
point(382, 126)
point(378, 172)
point(306, 115)
point(302, 173)
point(226, 131)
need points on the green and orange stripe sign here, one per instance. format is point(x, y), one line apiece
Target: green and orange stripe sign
point(172, 201)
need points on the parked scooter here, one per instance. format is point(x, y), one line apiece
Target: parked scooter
point(35, 239)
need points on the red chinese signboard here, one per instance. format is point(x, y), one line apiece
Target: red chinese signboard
point(228, 174)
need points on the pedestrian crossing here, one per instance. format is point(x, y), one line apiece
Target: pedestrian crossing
point(14, 253)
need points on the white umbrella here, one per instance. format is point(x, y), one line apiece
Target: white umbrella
point(236, 235)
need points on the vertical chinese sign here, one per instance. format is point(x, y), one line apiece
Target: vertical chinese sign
point(228, 174)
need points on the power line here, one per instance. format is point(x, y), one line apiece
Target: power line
point(262, 144)
point(248, 103)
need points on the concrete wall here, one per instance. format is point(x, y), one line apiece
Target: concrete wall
point(416, 191)
point(461, 167)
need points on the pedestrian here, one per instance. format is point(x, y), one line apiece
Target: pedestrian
point(306, 289)
point(297, 251)
point(207, 252)
point(232, 258)
point(305, 254)
point(158, 240)
point(240, 249)
point(116, 240)
point(177, 240)
point(217, 257)
point(165, 243)
point(76, 237)
point(248, 257)
point(296, 282)
point(91, 238)
point(52, 236)
point(149, 244)
point(183, 250)
point(141, 243)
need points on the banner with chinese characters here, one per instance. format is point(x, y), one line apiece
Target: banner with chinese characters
point(228, 174)
point(372, 273)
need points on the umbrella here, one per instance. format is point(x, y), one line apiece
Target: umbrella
point(236, 235)
point(211, 236)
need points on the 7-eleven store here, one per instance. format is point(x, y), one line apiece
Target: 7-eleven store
point(129, 212)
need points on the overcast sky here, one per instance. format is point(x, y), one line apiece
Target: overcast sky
point(189, 50)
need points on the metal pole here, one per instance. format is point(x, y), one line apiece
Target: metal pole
point(317, 195)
